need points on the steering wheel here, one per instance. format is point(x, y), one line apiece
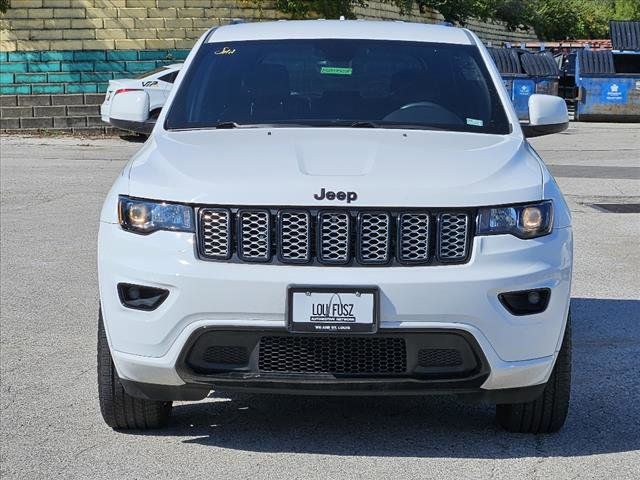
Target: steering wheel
point(416, 112)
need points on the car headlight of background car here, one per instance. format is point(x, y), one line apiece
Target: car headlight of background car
point(524, 221)
point(147, 216)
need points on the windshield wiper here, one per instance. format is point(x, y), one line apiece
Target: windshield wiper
point(223, 125)
point(364, 124)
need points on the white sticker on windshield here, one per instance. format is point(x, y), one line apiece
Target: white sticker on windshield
point(474, 122)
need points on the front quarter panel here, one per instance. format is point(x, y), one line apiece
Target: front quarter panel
point(121, 186)
point(551, 190)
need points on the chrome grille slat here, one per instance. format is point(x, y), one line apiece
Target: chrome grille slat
point(254, 227)
point(295, 236)
point(308, 236)
point(374, 238)
point(334, 237)
point(215, 233)
point(413, 241)
point(452, 244)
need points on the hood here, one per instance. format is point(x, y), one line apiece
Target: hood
point(291, 166)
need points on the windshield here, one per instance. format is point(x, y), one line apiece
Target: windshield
point(324, 83)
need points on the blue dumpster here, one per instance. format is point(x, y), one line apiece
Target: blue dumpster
point(525, 73)
point(515, 81)
point(543, 70)
point(604, 94)
point(609, 81)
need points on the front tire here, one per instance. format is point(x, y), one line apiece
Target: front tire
point(120, 410)
point(547, 413)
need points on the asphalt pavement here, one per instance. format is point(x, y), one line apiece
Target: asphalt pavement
point(52, 190)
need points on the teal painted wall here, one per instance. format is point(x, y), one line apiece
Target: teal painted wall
point(82, 71)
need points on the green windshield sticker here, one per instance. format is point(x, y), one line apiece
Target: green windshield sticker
point(336, 70)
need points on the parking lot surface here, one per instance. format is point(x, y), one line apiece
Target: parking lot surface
point(52, 189)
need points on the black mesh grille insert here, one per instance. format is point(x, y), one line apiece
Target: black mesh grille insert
point(439, 357)
point(333, 355)
point(229, 354)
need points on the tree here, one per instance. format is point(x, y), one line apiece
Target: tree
point(325, 8)
point(4, 5)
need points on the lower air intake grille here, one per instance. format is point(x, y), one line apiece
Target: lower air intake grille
point(333, 355)
point(229, 354)
point(439, 357)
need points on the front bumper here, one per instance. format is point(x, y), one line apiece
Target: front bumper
point(518, 351)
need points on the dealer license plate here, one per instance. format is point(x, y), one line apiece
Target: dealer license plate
point(333, 309)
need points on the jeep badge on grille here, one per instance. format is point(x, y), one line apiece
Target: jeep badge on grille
point(341, 196)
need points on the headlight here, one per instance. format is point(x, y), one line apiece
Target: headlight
point(523, 221)
point(145, 216)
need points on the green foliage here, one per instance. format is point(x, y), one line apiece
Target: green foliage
point(572, 19)
point(324, 8)
point(4, 5)
point(551, 19)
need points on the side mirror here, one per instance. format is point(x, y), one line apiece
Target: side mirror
point(130, 105)
point(547, 114)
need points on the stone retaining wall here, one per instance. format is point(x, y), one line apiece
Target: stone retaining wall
point(73, 111)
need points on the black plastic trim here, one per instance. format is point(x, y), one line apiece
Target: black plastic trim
point(423, 381)
point(167, 393)
point(138, 127)
point(531, 131)
point(163, 293)
point(546, 298)
point(194, 392)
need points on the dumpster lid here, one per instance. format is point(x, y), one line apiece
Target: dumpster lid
point(596, 62)
point(540, 64)
point(625, 35)
point(506, 59)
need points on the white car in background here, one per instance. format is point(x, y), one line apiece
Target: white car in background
point(134, 104)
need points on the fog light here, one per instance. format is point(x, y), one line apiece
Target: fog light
point(140, 297)
point(526, 302)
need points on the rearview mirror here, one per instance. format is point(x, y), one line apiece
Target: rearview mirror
point(547, 114)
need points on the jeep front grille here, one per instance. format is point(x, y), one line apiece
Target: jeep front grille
point(334, 237)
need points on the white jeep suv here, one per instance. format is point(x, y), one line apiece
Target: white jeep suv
point(338, 208)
